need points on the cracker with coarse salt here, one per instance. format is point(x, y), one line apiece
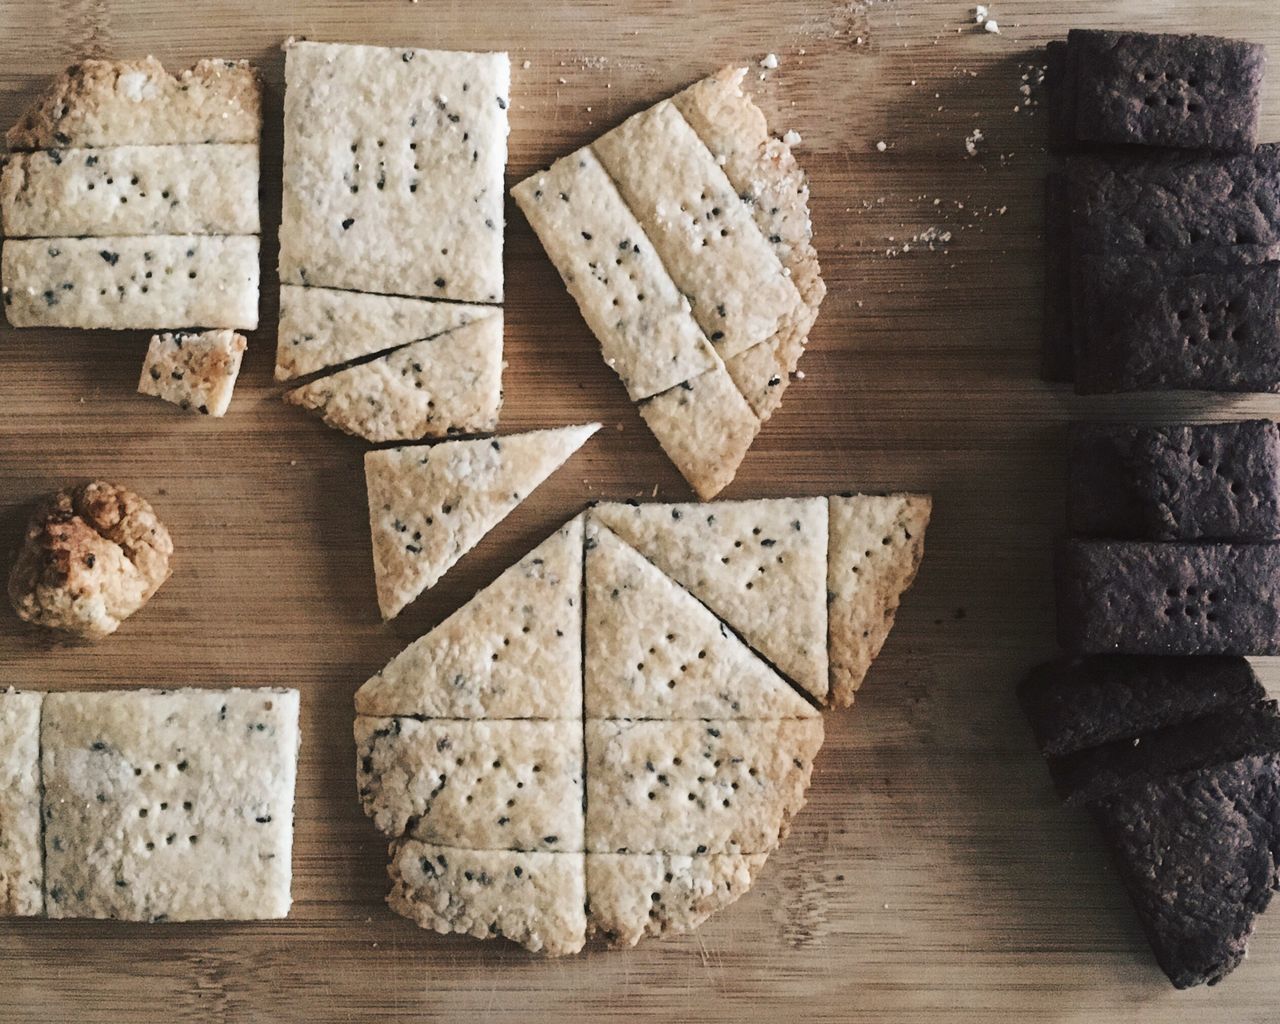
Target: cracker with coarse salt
point(169, 805)
point(393, 168)
point(21, 857)
point(196, 371)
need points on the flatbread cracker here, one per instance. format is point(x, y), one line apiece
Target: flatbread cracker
point(21, 857)
point(533, 899)
point(429, 506)
point(695, 788)
point(451, 384)
point(393, 168)
point(654, 652)
point(512, 651)
point(194, 371)
point(475, 784)
point(876, 544)
point(324, 327)
point(169, 805)
point(163, 282)
point(759, 565)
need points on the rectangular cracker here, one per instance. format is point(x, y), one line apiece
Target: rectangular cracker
point(1060, 94)
point(1058, 354)
point(695, 788)
point(393, 167)
point(131, 190)
point(643, 322)
point(162, 282)
point(21, 857)
point(487, 785)
point(194, 371)
point(169, 805)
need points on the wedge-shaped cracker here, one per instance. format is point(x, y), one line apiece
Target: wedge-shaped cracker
point(759, 565)
point(323, 327)
point(136, 102)
point(876, 544)
point(512, 651)
point(21, 857)
point(194, 371)
point(643, 322)
point(162, 282)
point(632, 895)
point(169, 805)
point(429, 506)
point(451, 384)
point(393, 165)
point(131, 190)
point(708, 241)
point(694, 788)
point(534, 899)
point(652, 651)
point(476, 784)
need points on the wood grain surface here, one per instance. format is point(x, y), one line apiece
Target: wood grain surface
point(933, 876)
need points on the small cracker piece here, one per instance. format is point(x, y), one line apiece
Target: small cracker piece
point(876, 544)
point(512, 651)
point(437, 387)
point(169, 805)
point(195, 371)
point(21, 857)
point(534, 899)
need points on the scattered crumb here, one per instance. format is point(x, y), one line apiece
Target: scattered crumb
point(799, 374)
point(882, 145)
point(563, 81)
point(527, 65)
point(792, 138)
point(770, 61)
point(972, 140)
point(991, 25)
point(979, 14)
point(293, 462)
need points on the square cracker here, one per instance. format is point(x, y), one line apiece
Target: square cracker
point(169, 804)
point(194, 371)
point(393, 167)
point(21, 857)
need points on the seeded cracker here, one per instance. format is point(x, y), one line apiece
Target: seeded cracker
point(196, 372)
point(21, 867)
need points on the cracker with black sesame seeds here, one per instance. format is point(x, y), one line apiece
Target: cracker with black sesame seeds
point(169, 805)
point(21, 857)
point(195, 371)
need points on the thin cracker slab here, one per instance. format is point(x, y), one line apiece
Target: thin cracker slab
point(194, 371)
point(21, 857)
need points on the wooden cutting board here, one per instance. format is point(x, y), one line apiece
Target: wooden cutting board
point(933, 876)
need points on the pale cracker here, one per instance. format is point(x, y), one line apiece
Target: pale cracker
point(131, 190)
point(483, 785)
point(694, 788)
point(534, 899)
point(437, 387)
point(632, 895)
point(393, 168)
point(162, 282)
point(136, 102)
point(169, 805)
point(646, 331)
point(876, 545)
point(323, 327)
point(194, 371)
point(653, 651)
point(512, 651)
point(429, 506)
point(759, 565)
point(21, 857)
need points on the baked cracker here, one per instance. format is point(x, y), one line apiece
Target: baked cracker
point(195, 371)
point(21, 858)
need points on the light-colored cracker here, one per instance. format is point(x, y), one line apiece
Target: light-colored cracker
point(437, 387)
point(643, 322)
point(534, 899)
point(131, 190)
point(169, 805)
point(653, 651)
point(757, 373)
point(195, 281)
point(876, 544)
point(705, 426)
point(136, 102)
point(194, 371)
point(512, 651)
point(694, 788)
point(759, 565)
point(633, 895)
point(393, 168)
point(21, 858)
point(477, 784)
point(708, 241)
point(429, 506)
point(323, 327)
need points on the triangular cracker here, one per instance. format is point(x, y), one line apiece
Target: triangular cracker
point(876, 544)
point(429, 506)
point(440, 386)
point(512, 651)
point(759, 565)
point(652, 651)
